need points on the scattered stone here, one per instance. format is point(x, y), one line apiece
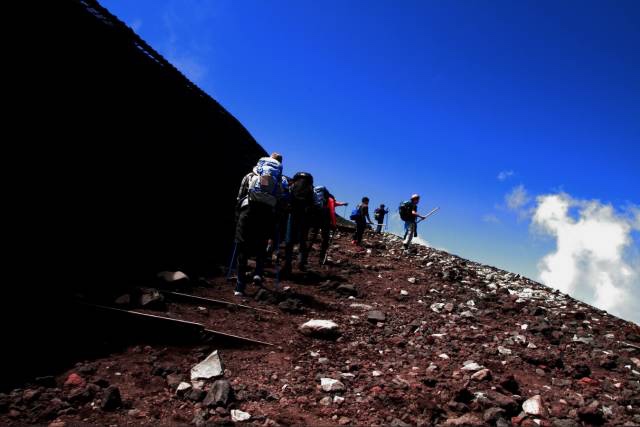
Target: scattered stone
point(504, 351)
point(183, 388)
point(591, 414)
point(210, 367)
point(534, 406)
point(436, 307)
point(345, 289)
point(111, 399)
point(197, 395)
point(239, 416)
point(397, 422)
point(151, 299)
point(325, 401)
point(317, 328)
point(343, 421)
point(581, 371)
point(411, 280)
point(174, 380)
point(338, 400)
point(491, 415)
point(291, 305)
point(471, 366)
point(376, 373)
point(481, 375)
point(74, 380)
point(467, 420)
point(449, 307)
point(404, 293)
point(221, 394)
point(172, 276)
point(376, 316)
point(329, 385)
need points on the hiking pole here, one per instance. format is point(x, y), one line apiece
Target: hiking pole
point(326, 254)
point(233, 259)
point(432, 212)
point(277, 243)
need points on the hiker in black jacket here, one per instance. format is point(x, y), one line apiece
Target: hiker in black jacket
point(301, 206)
point(361, 218)
point(379, 215)
point(409, 214)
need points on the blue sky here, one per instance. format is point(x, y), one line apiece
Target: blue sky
point(385, 98)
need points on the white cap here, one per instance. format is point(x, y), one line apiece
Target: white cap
point(415, 196)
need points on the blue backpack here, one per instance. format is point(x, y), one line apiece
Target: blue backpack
point(264, 184)
point(356, 214)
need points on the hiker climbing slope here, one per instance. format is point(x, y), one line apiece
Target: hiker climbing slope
point(409, 214)
point(360, 216)
point(379, 215)
point(299, 221)
point(256, 203)
point(324, 217)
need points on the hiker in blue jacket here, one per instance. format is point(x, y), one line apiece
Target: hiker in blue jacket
point(361, 217)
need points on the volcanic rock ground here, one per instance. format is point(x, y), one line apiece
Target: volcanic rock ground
point(426, 339)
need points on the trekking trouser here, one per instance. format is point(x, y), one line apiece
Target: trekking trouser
point(409, 232)
point(360, 227)
point(298, 232)
point(379, 227)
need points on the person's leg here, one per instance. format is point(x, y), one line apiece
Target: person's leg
point(304, 248)
point(406, 240)
point(325, 241)
point(379, 228)
point(410, 233)
point(360, 226)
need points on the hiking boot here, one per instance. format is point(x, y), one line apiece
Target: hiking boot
point(257, 280)
point(238, 294)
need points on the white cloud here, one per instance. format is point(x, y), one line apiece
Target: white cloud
point(504, 175)
point(593, 258)
point(517, 198)
point(491, 219)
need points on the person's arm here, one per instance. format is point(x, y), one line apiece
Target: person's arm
point(244, 188)
point(366, 214)
point(332, 212)
point(415, 213)
point(337, 203)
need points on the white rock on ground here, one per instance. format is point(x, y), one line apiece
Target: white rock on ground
point(329, 384)
point(210, 367)
point(238, 415)
point(183, 388)
point(470, 365)
point(318, 327)
point(172, 276)
point(533, 406)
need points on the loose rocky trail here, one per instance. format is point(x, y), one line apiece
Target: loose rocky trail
point(426, 339)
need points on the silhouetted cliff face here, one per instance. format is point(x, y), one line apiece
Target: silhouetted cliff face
point(137, 168)
point(124, 167)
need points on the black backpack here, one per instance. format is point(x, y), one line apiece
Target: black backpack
point(302, 194)
point(406, 210)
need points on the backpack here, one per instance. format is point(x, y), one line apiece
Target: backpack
point(405, 210)
point(320, 197)
point(264, 183)
point(301, 189)
point(356, 214)
point(377, 214)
